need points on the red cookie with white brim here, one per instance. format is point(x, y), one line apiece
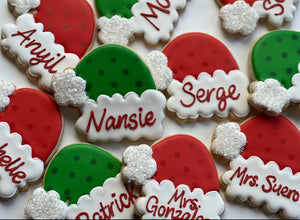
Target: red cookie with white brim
point(264, 168)
point(207, 81)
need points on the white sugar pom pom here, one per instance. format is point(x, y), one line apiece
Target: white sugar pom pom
point(6, 89)
point(229, 141)
point(139, 166)
point(239, 17)
point(115, 30)
point(23, 6)
point(45, 205)
point(270, 96)
point(68, 88)
point(158, 65)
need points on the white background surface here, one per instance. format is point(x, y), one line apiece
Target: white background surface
point(199, 15)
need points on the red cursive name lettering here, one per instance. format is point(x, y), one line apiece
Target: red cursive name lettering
point(161, 7)
point(126, 121)
point(40, 54)
point(267, 4)
point(244, 177)
point(11, 165)
point(204, 95)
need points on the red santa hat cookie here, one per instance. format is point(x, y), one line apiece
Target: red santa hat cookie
point(264, 168)
point(184, 181)
point(206, 80)
point(51, 39)
point(276, 65)
point(31, 125)
point(240, 16)
point(154, 19)
point(83, 182)
point(116, 93)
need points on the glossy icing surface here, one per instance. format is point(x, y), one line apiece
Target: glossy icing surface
point(109, 8)
point(77, 169)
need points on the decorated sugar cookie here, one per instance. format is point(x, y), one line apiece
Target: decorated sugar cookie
point(240, 16)
point(263, 154)
point(30, 125)
point(185, 184)
point(154, 19)
point(275, 62)
point(206, 81)
point(83, 182)
point(116, 93)
point(51, 39)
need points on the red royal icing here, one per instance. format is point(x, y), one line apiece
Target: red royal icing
point(71, 22)
point(225, 2)
point(193, 53)
point(35, 116)
point(183, 159)
point(273, 139)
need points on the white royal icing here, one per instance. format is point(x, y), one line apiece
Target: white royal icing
point(158, 65)
point(264, 183)
point(139, 165)
point(17, 167)
point(228, 140)
point(276, 11)
point(117, 117)
point(239, 17)
point(45, 205)
point(155, 18)
point(6, 89)
point(208, 95)
point(270, 96)
point(23, 6)
point(68, 88)
point(114, 200)
point(164, 201)
point(36, 49)
point(295, 89)
point(115, 30)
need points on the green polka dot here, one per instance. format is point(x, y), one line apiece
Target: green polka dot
point(274, 56)
point(109, 8)
point(78, 175)
point(54, 170)
point(89, 60)
point(117, 62)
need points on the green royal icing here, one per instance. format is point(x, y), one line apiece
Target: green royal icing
point(79, 168)
point(277, 55)
point(109, 8)
point(113, 68)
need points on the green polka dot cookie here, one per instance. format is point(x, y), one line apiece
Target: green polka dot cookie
point(77, 169)
point(109, 8)
point(83, 181)
point(275, 62)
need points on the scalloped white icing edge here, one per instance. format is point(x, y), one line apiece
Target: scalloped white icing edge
point(150, 100)
point(114, 193)
point(28, 31)
point(160, 197)
point(6, 90)
point(263, 175)
point(239, 107)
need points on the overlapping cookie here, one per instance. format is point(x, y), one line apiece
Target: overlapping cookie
point(116, 94)
point(275, 62)
point(154, 19)
point(207, 81)
point(51, 39)
point(240, 16)
point(184, 184)
point(264, 163)
point(83, 182)
point(31, 125)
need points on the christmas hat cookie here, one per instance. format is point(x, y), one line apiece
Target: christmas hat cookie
point(51, 39)
point(184, 185)
point(154, 19)
point(83, 181)
point(240, 16)
point(264, 165)
point(206, 80)
point(122, 100)
point(275, 62)
point(31, 125)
